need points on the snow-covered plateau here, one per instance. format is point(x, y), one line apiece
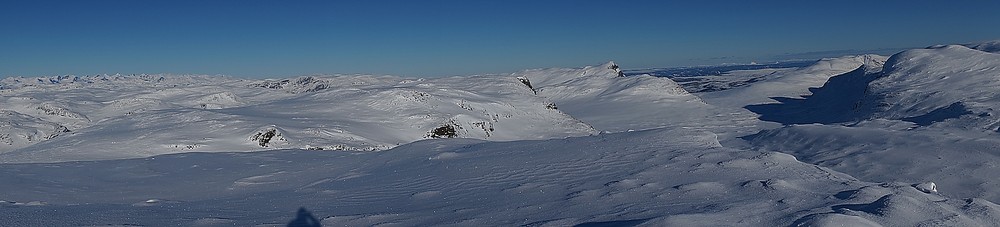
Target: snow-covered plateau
point(868, 140)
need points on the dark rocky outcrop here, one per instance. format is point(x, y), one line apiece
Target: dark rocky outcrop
point(267, 136)
point(618, 70)
point(445, 131)
point(526, 82)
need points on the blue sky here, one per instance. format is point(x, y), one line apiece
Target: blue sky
point(440, 38)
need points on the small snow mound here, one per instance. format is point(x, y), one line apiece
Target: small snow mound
point(148, 203)
point(926, 187)
point(219, 101)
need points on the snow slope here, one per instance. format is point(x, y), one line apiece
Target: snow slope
point(650, 178)
point(964, 164)
point(916, 85)
point(950, 85)
point(929, 115)
point(790, 83)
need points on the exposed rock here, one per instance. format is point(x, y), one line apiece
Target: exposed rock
point(267, 136)
point(526, 82)
point(486, 126)
point(270, 84)
point(54, 110)
point(617, 70)
point(300, 85)
point(445, 131)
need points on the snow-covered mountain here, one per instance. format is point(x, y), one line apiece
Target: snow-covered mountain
point(906, 140)
point(613, 103)
point(108, 117)
point(130, 116)
point(929, 115)
point(948, 85)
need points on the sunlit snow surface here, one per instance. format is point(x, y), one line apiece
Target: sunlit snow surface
point(907, 140)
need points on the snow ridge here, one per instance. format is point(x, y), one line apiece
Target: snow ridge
point(920, 84)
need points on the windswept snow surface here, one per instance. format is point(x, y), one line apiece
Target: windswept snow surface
point(964, 164)
point(654, 178)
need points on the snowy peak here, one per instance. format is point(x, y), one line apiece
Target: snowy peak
point(614, 67)
point(552, 76)
point(591, 81)
point(873, 63)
